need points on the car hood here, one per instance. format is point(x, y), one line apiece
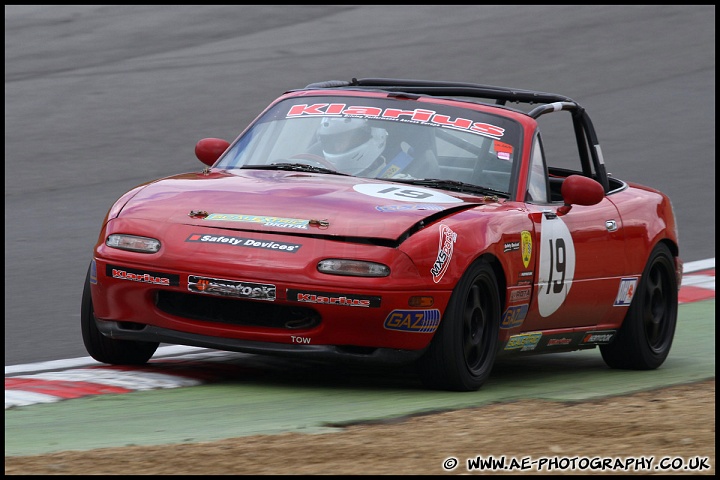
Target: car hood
point(292, 202)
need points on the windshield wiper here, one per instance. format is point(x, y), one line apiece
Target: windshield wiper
point(295, 167)
point(452, 185)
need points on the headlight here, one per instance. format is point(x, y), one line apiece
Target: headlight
point(353, 268)
point(133, 243)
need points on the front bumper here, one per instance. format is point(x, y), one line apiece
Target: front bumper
point(149, 333)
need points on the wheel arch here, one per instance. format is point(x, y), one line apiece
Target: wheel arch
point(674, 248)
point(500, 275)
point(675, 252)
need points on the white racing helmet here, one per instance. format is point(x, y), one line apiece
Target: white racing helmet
point(351, 144)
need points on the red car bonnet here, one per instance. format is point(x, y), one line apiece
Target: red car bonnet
point(283, 201)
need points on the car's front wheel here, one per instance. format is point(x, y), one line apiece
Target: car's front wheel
point(108, 350)
point(462, 352)
point(646, 335)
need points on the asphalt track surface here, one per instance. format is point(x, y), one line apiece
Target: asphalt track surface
point(101, 98)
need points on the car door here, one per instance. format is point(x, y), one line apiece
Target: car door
point(578, 255)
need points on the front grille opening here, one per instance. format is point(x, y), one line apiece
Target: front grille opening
point(356, 350)
point(237, 311)
point(131, 326)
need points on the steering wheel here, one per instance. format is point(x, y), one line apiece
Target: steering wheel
point(310, 157)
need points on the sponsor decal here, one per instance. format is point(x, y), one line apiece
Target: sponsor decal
point(243, 242)
point(562, 341)
point(327, 298)
point(625, 292)
point(503, 150)
point(404, 193)
point(231, 288)
point(514, 316)
point(524, 341)
point(403, 208)
point(526, 241)
point(419, 321)
point(520, 294)
point(93, 272)
point(598, 337)
point(445, 252)
point(418, 115)
point(142, 276)
point(304, 340)
point(502, 146)
point(267, 221)
point(526, 274)
point(511, 247)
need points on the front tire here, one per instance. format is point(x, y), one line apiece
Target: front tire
point(646, 335)
point(462, 352)
point(108, 350)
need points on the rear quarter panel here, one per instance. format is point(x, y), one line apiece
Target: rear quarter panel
point(648, 218)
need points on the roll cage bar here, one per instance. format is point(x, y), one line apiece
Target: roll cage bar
point(585, 136)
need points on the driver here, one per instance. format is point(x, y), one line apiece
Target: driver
point(355, 147)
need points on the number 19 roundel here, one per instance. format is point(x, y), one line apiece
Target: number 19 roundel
point(557, 265)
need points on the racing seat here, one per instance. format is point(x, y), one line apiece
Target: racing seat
point(492, 173)
point(424, 165)
point(421, 148)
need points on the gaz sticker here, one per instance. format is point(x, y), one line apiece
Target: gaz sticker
point(418, 321)
point(514, 316)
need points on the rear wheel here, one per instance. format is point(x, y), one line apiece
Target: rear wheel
point(646, 335)
point(108, 350)
point(463, 350)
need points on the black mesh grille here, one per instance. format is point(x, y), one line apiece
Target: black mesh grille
point(237, 311)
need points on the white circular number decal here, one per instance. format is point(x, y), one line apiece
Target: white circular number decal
point(404, 193)
point(557, 265)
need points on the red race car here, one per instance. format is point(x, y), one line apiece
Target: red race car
point(395, 221)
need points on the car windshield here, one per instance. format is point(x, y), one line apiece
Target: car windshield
point(382, 138)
